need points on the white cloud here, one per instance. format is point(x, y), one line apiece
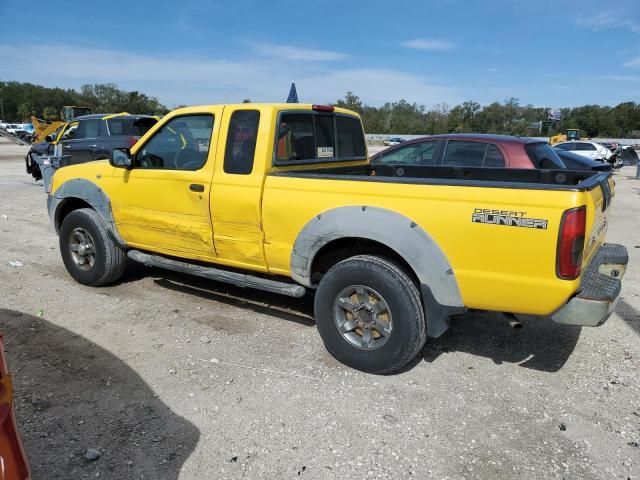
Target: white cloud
point(377, 86)
point(633, 62)
point(427, 44)
point(289, 52)
point(193, 80)
point(606, 20)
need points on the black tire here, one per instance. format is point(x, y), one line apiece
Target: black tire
point(35, 169)
point(109, 259)
point(400, 294)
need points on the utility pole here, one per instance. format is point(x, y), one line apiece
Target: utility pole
point(2, 109)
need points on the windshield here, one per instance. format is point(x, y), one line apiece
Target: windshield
point(543, 156)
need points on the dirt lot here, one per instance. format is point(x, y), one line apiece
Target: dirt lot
point(169, 377)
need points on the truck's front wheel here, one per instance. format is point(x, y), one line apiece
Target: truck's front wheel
point(369, 314)
point(90, 255)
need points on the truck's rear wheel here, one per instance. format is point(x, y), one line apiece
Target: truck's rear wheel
point(369, 314)
point(90, 255)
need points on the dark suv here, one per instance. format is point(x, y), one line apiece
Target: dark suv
point(91, 137)
point(97, 136)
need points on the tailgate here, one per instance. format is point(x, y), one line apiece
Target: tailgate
point(598, 204)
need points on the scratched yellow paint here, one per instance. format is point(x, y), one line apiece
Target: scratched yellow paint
point(252, 221)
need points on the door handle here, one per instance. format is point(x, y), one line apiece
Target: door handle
point(93, 146)
point(196, 187)
point(66, 146)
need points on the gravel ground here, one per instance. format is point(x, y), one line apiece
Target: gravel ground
point(166, 377)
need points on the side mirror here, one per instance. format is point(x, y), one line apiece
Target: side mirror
point(49, 138)
point(121, 158)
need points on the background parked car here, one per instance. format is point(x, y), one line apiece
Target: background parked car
point(591, 150)
point(98, 135)
point(393, 141)
point(573, 161)
point(90, 137)
point(472, 150)
point(16, 129)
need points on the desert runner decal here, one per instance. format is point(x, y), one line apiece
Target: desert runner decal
point(509, 218)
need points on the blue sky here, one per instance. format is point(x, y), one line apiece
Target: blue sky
point(430, 52)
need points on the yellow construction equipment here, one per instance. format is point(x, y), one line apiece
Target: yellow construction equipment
point(572, 134)
point(42, 128)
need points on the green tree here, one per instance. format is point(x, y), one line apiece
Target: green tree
point(25, 110)
point(21, 100)
point(49, 113)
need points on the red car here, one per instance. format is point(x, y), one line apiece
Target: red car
point(472, 150)
point(13, 461)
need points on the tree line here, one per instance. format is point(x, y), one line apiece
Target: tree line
point(508, 117)
point(23, 100)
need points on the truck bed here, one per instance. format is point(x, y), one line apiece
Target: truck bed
point(537, 179)
point(515, 255)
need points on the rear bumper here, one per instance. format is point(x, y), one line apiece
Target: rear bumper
point(600, 286)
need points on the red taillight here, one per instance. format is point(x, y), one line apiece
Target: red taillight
point(571, 243)
point(133, 141)
point(322, 108)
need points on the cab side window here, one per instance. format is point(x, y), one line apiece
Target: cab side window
point(241, 142)
point(88, 128)
point(69, 131)
point(181, 144)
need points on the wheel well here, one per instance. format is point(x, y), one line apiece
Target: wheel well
point(343, 248)
point(68, 206)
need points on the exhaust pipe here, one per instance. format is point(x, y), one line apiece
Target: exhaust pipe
point(514, 323)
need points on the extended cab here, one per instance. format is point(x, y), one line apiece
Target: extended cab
point(281, 197)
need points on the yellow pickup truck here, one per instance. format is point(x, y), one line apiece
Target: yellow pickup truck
point(281, 197)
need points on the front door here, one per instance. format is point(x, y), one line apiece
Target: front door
point(79, 148)
point(162, 203)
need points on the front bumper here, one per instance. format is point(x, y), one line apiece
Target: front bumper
point(600, 286)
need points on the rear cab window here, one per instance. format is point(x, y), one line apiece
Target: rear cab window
point(318, 137)
point(542, 155)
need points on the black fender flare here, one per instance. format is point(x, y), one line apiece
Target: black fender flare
point(440, 291)
point(89, 193)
